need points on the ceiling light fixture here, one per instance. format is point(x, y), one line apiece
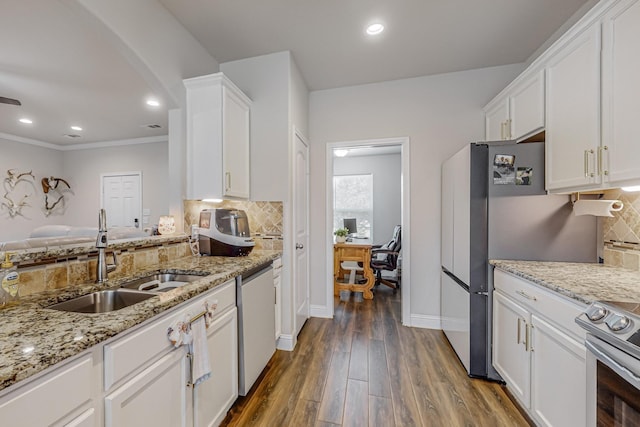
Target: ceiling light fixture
point(26, 121)
point(340, 153)
point(153, 103)
point(374, 29)
point(78, 128)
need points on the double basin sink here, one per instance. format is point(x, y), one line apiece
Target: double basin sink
point(128, 294)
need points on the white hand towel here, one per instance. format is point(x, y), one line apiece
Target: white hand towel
point(200, 368)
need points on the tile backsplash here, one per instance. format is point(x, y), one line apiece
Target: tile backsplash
point(265, 219)
point(623, 229)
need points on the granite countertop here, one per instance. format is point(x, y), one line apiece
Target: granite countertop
point(33, 338)
point(584, 282)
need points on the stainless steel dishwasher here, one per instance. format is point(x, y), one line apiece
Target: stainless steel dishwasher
point(256, 324)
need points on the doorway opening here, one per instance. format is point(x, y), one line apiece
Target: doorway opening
point(368, 193)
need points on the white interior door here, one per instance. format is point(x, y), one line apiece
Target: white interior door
point(122, 199)
point(301, 227)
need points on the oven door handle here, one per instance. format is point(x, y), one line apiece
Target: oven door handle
point(621, 370)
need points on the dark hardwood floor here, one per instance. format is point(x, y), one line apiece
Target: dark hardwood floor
point(363, 368)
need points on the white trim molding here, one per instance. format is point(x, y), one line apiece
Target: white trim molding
point(321, 311)
point(286, 342)
point(425, 321)
point(403, 142)
point(85, 146)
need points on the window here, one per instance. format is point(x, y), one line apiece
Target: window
point(353, 198)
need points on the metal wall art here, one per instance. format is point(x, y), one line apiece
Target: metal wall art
point(54, 187)
point(11, 203)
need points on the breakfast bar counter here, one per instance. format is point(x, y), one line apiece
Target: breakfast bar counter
point(33, 337)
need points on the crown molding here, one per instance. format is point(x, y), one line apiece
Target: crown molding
point(85, 146)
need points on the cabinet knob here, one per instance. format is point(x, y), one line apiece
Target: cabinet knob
point(299, 246)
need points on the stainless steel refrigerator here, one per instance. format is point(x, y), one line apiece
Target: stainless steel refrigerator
point(494, 206)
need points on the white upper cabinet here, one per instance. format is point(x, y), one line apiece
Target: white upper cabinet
point(573, 112)
point(217, 139)
point(621, 94)
point(496, 120)
point(526, 106)
point(518, 112)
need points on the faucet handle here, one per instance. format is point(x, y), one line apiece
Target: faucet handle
point(111, 267)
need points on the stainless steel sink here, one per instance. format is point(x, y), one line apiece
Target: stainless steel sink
point(103, 301)
point(161, 282)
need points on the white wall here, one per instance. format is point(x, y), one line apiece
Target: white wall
point(279, 103)
point(43, 162)
point(387, 201)
point(83, 168)
point(265, 79)
point(439, 114)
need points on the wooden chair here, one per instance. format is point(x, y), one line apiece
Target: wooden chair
point(385, 257)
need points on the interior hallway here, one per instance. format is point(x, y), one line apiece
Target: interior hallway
point(364, 368)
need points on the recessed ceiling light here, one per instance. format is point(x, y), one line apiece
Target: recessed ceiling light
point(78, 128)
point(26, 121)
point(374, 29)
point(153, 102)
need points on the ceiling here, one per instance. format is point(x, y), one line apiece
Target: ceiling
point(66, 73)
point(329, 44)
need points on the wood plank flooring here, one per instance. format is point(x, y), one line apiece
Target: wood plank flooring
point(363, 368)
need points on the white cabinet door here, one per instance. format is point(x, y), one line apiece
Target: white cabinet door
point(558, 376)
point(526, 107)
point(217, 148)
point(573, 112)
point(214, 397)
point(621, 92)
point(510, 345)
point(496, 121)
point(155, 397)
point(235, 144)
point(52, 399)
point(86, 419)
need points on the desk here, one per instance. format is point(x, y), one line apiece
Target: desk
point(352, 252)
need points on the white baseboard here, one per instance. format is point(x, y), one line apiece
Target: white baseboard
point(425, 321)
point(320, 311)
point(286, 342)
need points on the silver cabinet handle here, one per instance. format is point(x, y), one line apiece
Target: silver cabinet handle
point(527, 344)
point(508, 129)
point(227, 176)
point(527, 296)
point(299, 246)
point(601, 151)
point(518, 337)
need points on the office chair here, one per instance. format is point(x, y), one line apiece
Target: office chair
point(385, 257)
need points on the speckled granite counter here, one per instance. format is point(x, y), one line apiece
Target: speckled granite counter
point(583, 282)
point(56, 335)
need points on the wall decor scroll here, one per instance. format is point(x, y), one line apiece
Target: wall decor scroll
point(54, 189)
point(11, 203)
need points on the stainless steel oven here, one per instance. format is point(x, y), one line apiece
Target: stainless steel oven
point(613, 364)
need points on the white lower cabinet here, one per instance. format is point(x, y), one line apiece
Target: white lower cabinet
point(539, 352)
point(56, 399)
point(558, 374)
point(155, 397)
point(214, 397)
point(510, 356)
point(138, 378)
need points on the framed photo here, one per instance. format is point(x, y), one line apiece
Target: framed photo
point(524, 176)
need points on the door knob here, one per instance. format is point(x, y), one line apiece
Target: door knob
point(299, 246)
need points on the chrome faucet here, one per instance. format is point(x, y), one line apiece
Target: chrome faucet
point(103, 268)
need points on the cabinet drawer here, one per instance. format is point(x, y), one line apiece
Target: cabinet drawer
point(50, 398)
point(557, 308)
point(140, 347)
